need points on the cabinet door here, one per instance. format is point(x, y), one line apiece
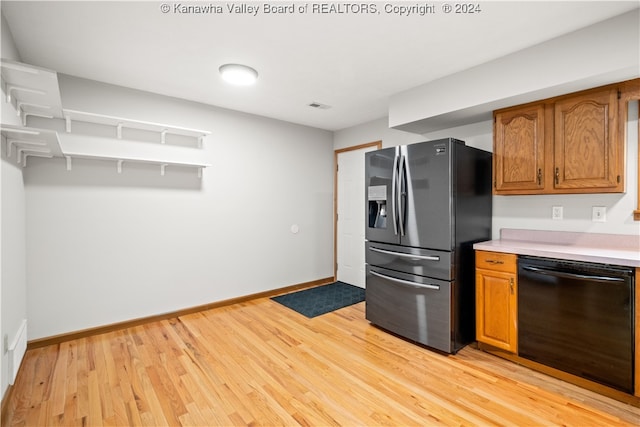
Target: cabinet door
point(496, 305)
point(587, 146)
point(519, 150)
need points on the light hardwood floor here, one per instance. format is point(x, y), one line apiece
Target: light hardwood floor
point(259, 363)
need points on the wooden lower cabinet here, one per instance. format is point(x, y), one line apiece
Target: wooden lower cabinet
point(497, 300)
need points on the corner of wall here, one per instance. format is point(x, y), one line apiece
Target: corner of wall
point(12, 244)
point(8, 48)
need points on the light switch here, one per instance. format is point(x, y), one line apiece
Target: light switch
point(557, 212)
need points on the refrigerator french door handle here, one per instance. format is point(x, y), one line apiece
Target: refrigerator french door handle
point(401, 194)
point(406, 282)
point(394, 190)
point(404, 255)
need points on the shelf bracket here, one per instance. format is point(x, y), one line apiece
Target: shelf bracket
point(13, 88)
point(200, 140)
point(68, 162)
point(199, 173)
point(163, 136)
point(162, 168)
point(22, 104)
point(24, 152)
point(17, 142)
point(67, 119)
point(24, 117)
point(119, 166)
point(35, 154)
point(119, 131)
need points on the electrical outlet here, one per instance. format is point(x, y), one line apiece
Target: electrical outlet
point(599, 214)
point(556, 212)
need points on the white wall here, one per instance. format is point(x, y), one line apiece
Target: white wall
point(13, 294)
point(376, 130)
point(8, 46)
point(578, 60)
point(13, 303)
point(105, 247)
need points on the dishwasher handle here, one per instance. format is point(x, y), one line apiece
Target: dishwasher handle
point(567, 275)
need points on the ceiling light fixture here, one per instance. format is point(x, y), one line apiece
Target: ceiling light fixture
point(238, 74)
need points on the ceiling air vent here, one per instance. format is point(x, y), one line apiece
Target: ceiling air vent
point(319, 106)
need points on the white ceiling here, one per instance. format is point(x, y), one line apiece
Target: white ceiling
point(352, 62)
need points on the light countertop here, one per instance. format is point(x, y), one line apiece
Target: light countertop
point(613, 249)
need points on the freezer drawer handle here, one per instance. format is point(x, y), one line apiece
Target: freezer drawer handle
point(573, 275)
point(406, 282)
point(403, 255)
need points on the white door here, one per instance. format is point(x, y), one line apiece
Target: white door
point(351, 216)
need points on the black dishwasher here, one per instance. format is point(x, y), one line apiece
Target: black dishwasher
point(577, 317)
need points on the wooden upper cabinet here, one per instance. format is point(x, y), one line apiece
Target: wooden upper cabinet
point(587, 151)
point(568, 144)
point(519, 148)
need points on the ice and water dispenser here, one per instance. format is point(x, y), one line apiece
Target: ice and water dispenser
point(377, 201)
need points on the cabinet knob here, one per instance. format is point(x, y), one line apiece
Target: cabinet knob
point(539, 176)
point(557, 175)
point(511, 285)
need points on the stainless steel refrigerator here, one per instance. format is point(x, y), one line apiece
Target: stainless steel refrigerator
point(427, 203)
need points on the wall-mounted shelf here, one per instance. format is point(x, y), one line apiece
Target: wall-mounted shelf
point(23, 142)
point(119, 123)
point(33, 91)
point(121, 151)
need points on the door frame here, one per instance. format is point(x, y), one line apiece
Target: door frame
point(336, 153)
